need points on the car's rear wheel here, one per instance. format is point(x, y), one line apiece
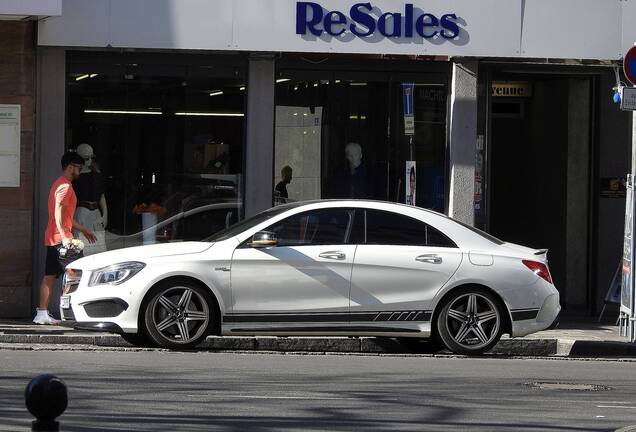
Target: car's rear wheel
point(470, 321)
point(178, 315)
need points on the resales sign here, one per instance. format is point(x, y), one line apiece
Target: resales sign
point(360, 21)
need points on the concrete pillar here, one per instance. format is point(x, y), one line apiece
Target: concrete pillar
point(49, 147)
point(463, 136)
point(259, 147)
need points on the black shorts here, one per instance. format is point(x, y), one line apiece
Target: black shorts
point(56, 261)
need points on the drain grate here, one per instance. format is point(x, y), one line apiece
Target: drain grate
point(631, 428)
point(549, 385)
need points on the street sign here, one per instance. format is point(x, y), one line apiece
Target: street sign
point(629, 65)
point(628, 98)
point(407, 97)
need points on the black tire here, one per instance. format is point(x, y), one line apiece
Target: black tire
point(471, 321)
point(178, 314)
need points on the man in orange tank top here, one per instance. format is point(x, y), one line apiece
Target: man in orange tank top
point(58, 235)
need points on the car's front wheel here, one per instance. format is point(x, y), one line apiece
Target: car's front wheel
point(470, 321)
point(178, 315)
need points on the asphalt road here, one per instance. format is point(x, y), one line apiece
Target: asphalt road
point(166, 391)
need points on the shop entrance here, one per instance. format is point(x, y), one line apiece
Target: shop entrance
point(539, 172)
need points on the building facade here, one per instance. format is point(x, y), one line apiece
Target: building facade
point(503, 120)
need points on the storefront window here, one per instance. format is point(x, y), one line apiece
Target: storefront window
point(166, 136)
point(343, 135)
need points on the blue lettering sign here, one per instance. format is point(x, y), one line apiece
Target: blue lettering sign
point(312, 18)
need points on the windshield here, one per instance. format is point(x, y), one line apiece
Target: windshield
point(249, 222)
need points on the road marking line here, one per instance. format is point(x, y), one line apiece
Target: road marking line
point(295, 397)
point(615, 406)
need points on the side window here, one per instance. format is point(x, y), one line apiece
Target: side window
point(394, 229)
point(316, 227)
point(434, 237)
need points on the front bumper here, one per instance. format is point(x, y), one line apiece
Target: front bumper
point(95, 326)
point(112, 308)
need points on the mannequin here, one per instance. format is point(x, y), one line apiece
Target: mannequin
point(354, 183)
point(92, 211)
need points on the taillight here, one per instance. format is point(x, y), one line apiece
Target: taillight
point(539, 269)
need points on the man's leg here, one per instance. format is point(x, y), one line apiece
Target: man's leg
point(46, 288)
point(42, 314)
point(51, 273)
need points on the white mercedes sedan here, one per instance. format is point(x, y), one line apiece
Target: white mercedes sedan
point(338, 268)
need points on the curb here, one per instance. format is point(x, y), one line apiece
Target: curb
point(371, 345)
point(517, 347)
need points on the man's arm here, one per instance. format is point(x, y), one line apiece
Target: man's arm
point(66, 241)
point(87, 233)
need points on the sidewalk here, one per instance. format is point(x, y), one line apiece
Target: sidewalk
point(574, 337)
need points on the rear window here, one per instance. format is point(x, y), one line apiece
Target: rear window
point(481, 233)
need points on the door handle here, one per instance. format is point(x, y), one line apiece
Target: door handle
point(334, 255)
point(429, 258)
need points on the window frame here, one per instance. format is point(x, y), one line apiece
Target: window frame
point(452, 244)
point(348, 230)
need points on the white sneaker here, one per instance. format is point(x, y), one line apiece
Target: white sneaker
point(43, 317)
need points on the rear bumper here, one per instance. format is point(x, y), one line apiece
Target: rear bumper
point(555, 323)
point(547, 317)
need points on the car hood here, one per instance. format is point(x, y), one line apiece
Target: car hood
point(139, 253)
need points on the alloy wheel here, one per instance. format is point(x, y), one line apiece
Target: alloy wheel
point(473, 321)
point(180, 315)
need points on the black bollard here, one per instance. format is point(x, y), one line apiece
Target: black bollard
point(46, 398)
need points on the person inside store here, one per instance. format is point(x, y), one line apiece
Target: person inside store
point(92, 211)
point(61, 248)
point(280, 191)
point(352, 181)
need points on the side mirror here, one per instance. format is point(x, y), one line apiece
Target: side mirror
point(263, 239)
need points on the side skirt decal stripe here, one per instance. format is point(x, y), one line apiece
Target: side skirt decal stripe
point(361, 329)
point(408, 316)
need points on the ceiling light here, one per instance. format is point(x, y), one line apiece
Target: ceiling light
point(210, 114)
point(280, 80)
point(216, 92)
point(93, 75)
point(107, 111)
point(358, 83)
point(242, 88)
point(81, 77)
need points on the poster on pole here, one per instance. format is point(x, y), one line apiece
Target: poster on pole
point(628, 251)
point(409, 117)
point(411, 182)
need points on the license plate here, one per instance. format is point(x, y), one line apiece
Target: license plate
point(65, 302)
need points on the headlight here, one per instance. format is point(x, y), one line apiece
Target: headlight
point(115, 274)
